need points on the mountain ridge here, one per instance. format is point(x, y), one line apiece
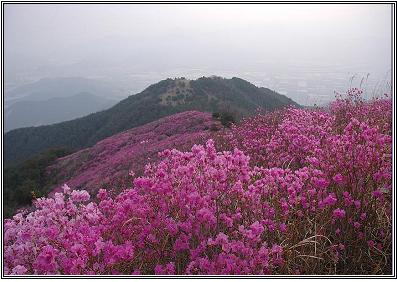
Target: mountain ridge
point(50, 87)
point(212, 94)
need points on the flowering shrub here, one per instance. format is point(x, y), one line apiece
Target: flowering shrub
point(296, 192)
point(349, 144)
point(376, 112)
point(188, 215)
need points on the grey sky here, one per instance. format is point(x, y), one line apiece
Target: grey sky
point(160, 37)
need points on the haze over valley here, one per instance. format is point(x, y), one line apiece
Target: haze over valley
point(132, 47)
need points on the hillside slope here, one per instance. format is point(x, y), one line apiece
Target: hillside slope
point(296, 184)
point(165, 98)
point(110, 160)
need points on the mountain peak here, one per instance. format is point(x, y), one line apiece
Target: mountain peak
point(176, 93)
point(170, 96)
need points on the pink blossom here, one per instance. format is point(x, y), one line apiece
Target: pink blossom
point(79, 196)
point(339, 213)
point(338, 178)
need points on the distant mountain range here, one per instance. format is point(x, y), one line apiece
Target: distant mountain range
point(26, 113)
point(170, 96)
point(55, 87)
point(56, 99)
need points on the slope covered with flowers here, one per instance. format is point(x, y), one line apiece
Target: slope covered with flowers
point(289, 192)
point(107, 163)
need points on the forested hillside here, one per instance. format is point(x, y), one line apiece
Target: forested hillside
point(170, 96)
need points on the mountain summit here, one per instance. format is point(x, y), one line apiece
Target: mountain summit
point(170, 96)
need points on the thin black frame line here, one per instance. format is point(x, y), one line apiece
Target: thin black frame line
point(200, 2)
point(2, 147)
point(392, 73)
point(184, 276)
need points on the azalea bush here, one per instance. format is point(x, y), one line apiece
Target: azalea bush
point(296, 191)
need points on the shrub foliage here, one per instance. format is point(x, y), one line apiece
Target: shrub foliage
point(295, 191)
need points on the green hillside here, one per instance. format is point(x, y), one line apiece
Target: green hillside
point(167, 97)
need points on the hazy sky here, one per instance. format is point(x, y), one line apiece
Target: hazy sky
point(153, 37)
